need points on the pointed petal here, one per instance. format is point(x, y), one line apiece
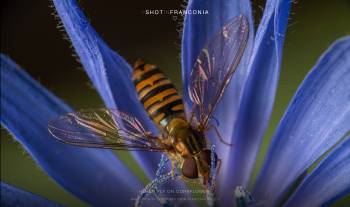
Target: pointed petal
point(258, 97)
point(317, 117)
point(95, 176)
point(109, 72)
point(12, 196)
point(328, 182)
point(198, 29)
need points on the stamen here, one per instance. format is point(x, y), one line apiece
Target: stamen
point(212, 177)
point(243, 197)
point(161, 165)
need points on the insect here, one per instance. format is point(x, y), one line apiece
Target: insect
point(182, 135)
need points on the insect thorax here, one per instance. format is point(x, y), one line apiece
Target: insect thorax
point(186, 140)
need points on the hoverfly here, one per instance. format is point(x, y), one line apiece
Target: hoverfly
point(183, 135)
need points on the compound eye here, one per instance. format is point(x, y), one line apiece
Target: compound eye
point(189, 168)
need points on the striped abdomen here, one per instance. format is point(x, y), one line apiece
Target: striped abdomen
point(157, 94)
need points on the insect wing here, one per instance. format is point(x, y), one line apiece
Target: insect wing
point(103, 128)
point(215, 66)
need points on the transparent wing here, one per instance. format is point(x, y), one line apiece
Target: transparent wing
point(103, 128)
point(215, 66)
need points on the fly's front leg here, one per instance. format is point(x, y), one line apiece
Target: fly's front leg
point(172, 169)
point(218, 165)
point(221, 139)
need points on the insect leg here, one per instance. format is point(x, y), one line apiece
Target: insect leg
point(221, 139)
point(172, 168)
point(193, 112)
point(218, 165)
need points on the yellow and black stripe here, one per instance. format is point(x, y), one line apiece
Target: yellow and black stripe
point(157, 93)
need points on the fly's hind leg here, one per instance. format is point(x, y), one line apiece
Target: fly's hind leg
point(192, 118)
point(221, 139)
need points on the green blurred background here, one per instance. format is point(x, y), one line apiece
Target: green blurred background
point(29, 36)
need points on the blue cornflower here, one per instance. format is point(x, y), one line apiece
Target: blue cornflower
point(317, 118)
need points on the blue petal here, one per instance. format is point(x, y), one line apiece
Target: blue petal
point(197, 30)
point(328, 182)
point(96, 176)
point(317, 117)
point(110, 73)
point(12, 196)
point(258, 96)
